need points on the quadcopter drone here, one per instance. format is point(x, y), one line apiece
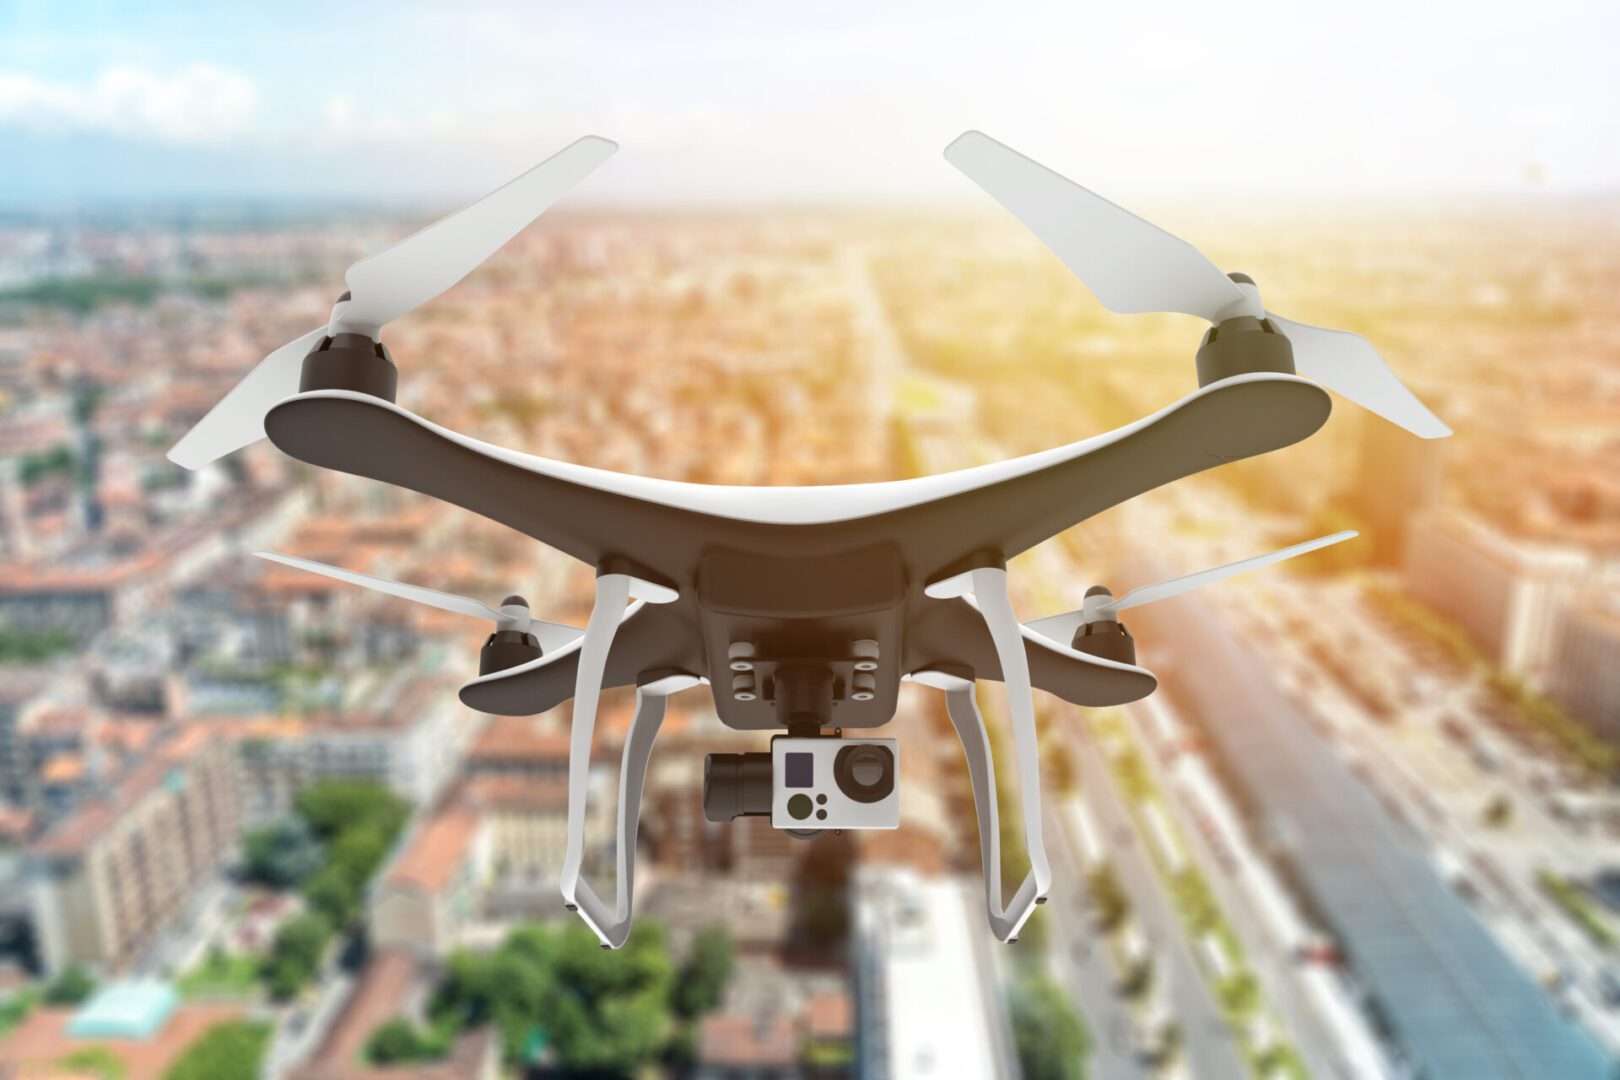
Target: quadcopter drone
point(805, 608)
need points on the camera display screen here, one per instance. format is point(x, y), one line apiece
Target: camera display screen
point(798, 770)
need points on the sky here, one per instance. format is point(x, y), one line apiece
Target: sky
point(747, 102)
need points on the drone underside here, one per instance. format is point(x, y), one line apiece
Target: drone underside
point(800, 592)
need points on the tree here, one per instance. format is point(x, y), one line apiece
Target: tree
point(357, 852)
point(72, 987)
point(356, 821)
point(283, 854)
point(1050, 1036)
point(331, 894)
point(1498, 812)
point(233, 1050)
point(296, 954)
point(336, 806)
point(599, 1011)
point(704, 975)
point(1239, 993)
point(1112, 904)
point(97, 1061)
point(398, 1041)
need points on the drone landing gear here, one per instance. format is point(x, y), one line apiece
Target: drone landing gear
point(986, 590)
point(613, 592)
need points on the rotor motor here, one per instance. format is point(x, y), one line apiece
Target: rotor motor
point(1243, 344)
point(345, 361)
point(1102, 634)
point(508, 647)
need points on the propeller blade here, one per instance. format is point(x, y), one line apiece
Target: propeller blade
point(409, 273)
point(238, 419)
point(1061, 628)
point(444, 601)
point(1130, 265)
point(1348, 363)
point(552, 636)
point(386, 285)
point(1163, 590)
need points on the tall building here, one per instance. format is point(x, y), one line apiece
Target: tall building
point(432, 889)
point(1503, 591)
point(107, 880)
point(1584, 674)
point(923, 994)
point(409, 738)
point(18, 689)
point(1397, 478)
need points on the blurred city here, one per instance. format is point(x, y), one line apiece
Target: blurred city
point(1369, 825)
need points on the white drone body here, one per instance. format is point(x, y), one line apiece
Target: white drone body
point(805, 608)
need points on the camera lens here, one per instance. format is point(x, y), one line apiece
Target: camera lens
point(864, 773)
point(736, 785)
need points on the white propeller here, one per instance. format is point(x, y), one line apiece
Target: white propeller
point(1133, 266)
point(509, 616)
point(391, 283)
point(1062, 627)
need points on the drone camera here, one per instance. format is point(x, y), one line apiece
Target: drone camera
point(736, 785)
point(807, 784)
point(820, 783)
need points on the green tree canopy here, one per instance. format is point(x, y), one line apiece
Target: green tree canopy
point(358, 851)
point(283, 854)
point(295, 955)
point(1050, 1036)
point(332, 807)
point(399, 1041)
point(704, 975)
point(233, 1050)
point(600, 1011)
point(72, 987)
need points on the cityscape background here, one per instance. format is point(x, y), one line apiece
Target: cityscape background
point(1369, 825)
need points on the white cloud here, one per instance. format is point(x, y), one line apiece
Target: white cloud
point(197, 104)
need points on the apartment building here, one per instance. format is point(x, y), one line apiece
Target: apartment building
point(108, 879)
point(1503, 591)
point(409, 737)
point(433, 888)
point(1584, 675)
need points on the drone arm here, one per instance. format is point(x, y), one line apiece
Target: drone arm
point(613, 591)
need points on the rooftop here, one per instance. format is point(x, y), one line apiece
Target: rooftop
point(437, 849)
point(738, 1040)
point(517, 739)
point(91, 820)
point(125, 1010)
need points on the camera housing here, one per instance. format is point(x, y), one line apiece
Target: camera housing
point(821, 783)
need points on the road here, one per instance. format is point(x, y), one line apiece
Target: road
point(1081, 960)
point(1270, 960)
point(1207, 1043)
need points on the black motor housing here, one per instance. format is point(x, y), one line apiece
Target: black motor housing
point(1107, 639)
point(507, 649)
point(350, 362)
point(1243, 344)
